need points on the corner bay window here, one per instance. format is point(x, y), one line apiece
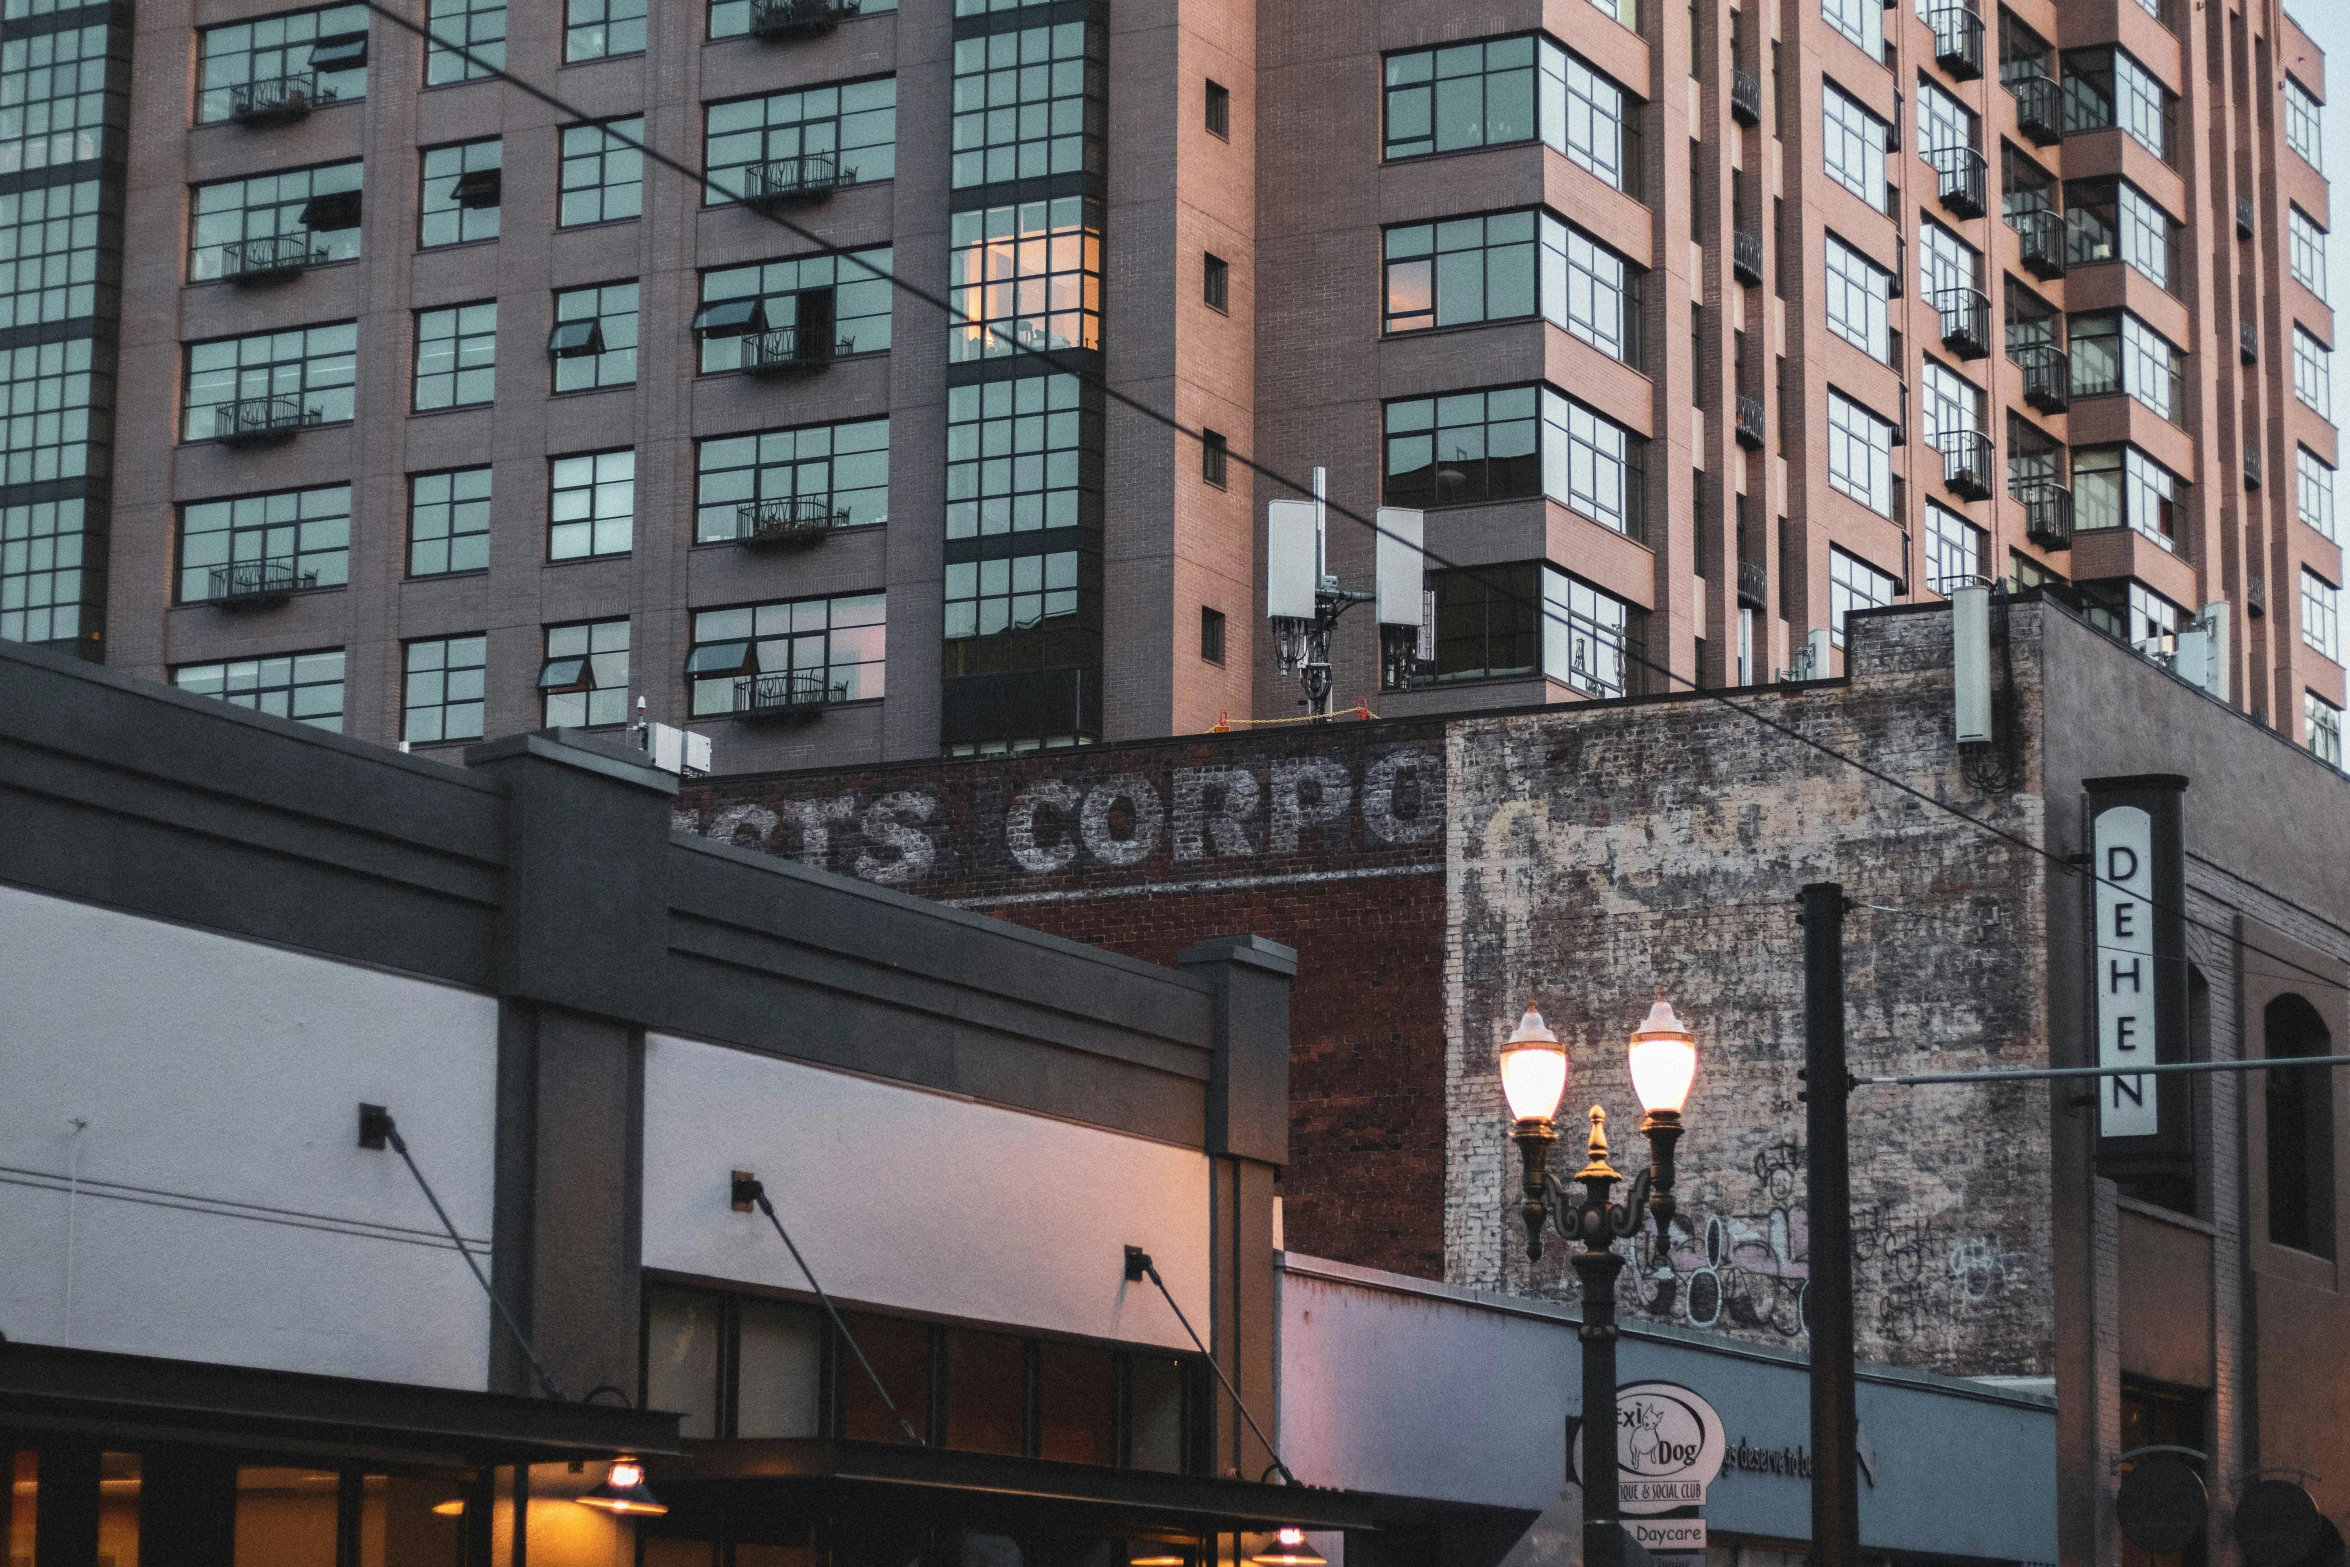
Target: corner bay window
point(2314, 494)
point(2322, 721)
point(1029, 103)
point(2113, 220)
point(2305, 124)
point(1854, 584)
point(1507, 90)
point(2114, 351)
point(1015, 593)
point(2122, 487)
point(1493, 622)
point(2104, 88)
point(1512, 265)
point(2321, 615)
point(1021, 456)
point(1027, 276)
point(2132, 612)
point(2313, 371)
point(1514, 444)
point(766, 656)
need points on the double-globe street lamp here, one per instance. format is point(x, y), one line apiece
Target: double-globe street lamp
point(1534, 1079)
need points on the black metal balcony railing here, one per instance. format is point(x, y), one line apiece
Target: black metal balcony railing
point(2244, 223)
point(787, 520)
point(1958, 41)
point(2248, 342)
point(1961, 179)
point(1745, 97)
point(790, 181)
point(268, 260)
point(1753, 583)
point(780, 21)
point(1966, 321)
point(2040, 237)
point(276, 100)
point(793, 696)
point(1746, 257)
point(1966, 464)
point(2048, 515)
point(784, 351)
point(255, 584)
point(2048, 373)
point(250, 421)
point(1750, 422)
point(2039, 108)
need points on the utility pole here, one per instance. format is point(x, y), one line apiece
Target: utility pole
point(1827, 1299)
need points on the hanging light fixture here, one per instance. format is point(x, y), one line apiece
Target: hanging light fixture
point(624, 1491)
point(1289, 1548)
point(454, 1507)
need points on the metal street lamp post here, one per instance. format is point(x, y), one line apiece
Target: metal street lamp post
point(1534, 1079)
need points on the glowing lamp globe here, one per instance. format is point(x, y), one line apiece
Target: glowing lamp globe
point(1533, 1069)
point(624, 1491)
point(1664, 1060)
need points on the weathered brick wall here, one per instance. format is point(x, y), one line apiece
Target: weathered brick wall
point(1327, 838)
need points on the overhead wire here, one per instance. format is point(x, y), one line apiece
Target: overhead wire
point(484, 68)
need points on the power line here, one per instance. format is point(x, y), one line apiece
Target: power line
point(1100, 384)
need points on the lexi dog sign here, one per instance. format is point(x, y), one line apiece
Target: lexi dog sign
point(1669, 1446)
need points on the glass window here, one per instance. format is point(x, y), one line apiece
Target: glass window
point(845, 298)
point(2313, 372)
point(1029, 274)
point(306, 687)
point(2105, 88)
point(1602, 130)
point(48, 254)
point(2114, 351)
point(41, 571)
point(1954, 550)
point(2321, 615)
point(603, 174)
point(2113, 220)
point(732, 18)
point(1860, 297)
point(1468, 95)
point(456, 356)
point(1473, 447)
point(448, 522)
point(2034, 457)
point(2032, 322)
point(1463, 271)
point(584, 682)
point(1487, 621)
point(1603, 292)
point(2314, 492)
point(2305, 124)
point(2323, 722)
point(305, 372)
point(286, 1517)
point(1853, 147)
point(598, 29)
point(1862, 21)
point(232, 60)
point(2134, 613)
point(2308, 246)
point(778, 1370)
point(844, 133)
point(1952, 406)
point(297, 217)
point(1853, 584)
point(443, 699)
point(2024, 186)
point(289, 539)
point(1020, 456)
point(460, 193)
point(1945, 263)
point(591, 504)
point(1029, 104)
point(54, 88)
point(1860, 454)
point(682, 1331)
point(595, 337)
point(1588, 637)
point(468, 40)
point(1944, 124)
point(837, 474)
point(1014, 593)
point(46, 431)
point(767, 655)
point(2122, 487)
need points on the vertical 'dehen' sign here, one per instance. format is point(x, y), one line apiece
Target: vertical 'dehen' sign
point(2138, 979)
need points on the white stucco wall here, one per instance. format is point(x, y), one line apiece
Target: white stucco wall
point(224, 1211)
point(924, 1201)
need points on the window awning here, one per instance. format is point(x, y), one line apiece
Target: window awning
point(731, 317)
point(138, 1398)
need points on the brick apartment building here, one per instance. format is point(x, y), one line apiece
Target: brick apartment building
point(1699, 325)
point(1433, 874)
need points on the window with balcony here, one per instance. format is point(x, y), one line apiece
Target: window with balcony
point(448, 522)
point(1862, 21)
point(1021, 456)
point(2027, 69)
point(2307, 248)
point(1946, 263)
point(591, 504)
point(737, 18)
point(269, 225)
point(1854, 585)
point(806, 311)
point(251, 546)
point(2122, 487)
point(594, 341)
point(456, 356)
point(2113, 220)
point(1951, 406)
point(271, 382)
point(1860, 454)
point(2305, 124)
point(2034, 457)
point(1474, 447)
point(801, 143)
point(460, 193)
point(1026, 275)
point(2313, 372)
point(282, 63)
point(2321, 722)
point(2033, 324)
point(2321, 615)
point(798, 653)
point(1956, 550)
point(1943, 122)
point(2113, 351)
point(821, 476)
point(2105, 88)
point(1029, 104)
point(2024, 186)
point(603, 174)
point(468, 40)
point(2314, 491)
point(443, 692)
point(1009, 593)
point(1853, 146)
point(305, 687)
point(583, 683)
point(602, 29)
point(1859, 302)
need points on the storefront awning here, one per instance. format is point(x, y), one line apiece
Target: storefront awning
point(136, 1398)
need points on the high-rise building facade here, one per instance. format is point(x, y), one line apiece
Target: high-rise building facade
point(1691, 328)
